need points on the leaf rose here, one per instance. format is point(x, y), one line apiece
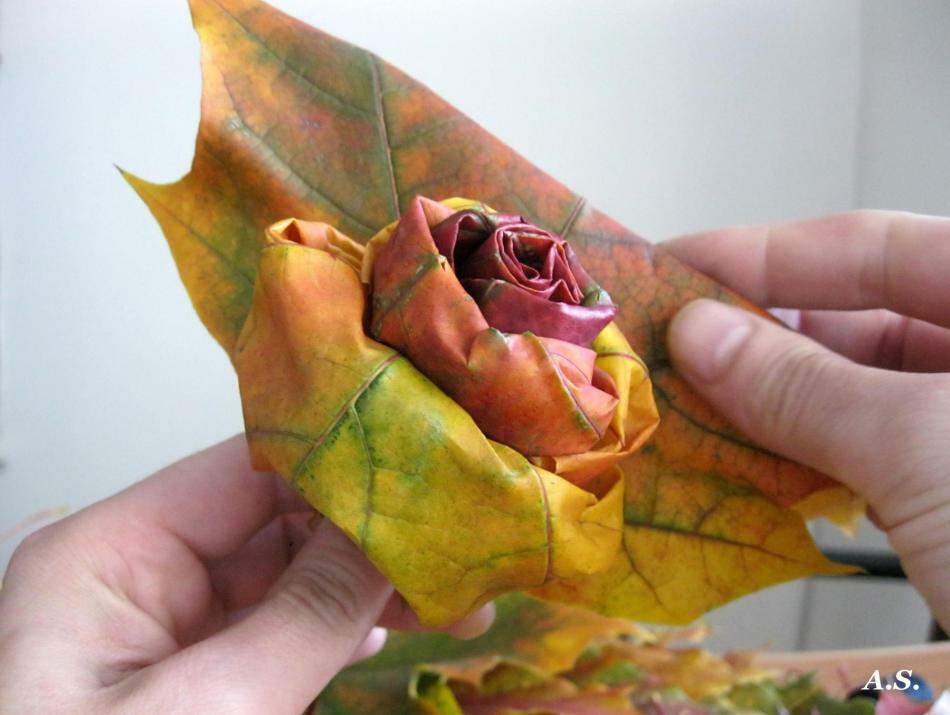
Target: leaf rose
point(408, 470)
point(500, 314)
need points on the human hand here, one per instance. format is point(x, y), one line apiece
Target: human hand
point(863, 392)
point(199, 589)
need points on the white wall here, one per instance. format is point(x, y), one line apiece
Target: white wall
point(904, 128)
point(671, 117)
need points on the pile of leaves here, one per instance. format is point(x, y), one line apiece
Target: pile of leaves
point(541, 658)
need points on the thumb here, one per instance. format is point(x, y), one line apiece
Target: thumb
point(792, 395)
point(284, 653)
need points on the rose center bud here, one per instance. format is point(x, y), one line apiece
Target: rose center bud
point(524, 279)
point(530, 258)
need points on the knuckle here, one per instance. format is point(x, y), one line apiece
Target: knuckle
point(399, 615)
point(913, 500)
point(923, 424)
point(786, 388)
point(936, 394)
point(34, 545)
point(326, 591)
point(867, 218)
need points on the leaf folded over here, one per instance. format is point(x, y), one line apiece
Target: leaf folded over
point(733, 535)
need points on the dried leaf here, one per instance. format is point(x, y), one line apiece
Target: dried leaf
point(540, 658)
point(537, 637)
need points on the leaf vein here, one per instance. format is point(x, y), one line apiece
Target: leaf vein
point(371, 482)
point(249, 132)
point(572, 218)
point(257, 39)
point(321, 438)
point(715, 537)
point(415, 136)
point(726, 437)
point(229, 262)
point(383, 127)
point(649, 584)
point(548, 530)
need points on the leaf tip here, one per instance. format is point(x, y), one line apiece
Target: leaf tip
point(131, 178)
point(137, 183)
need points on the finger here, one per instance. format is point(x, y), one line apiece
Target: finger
point(160, 530)
point(474, 624)
point(880, 338)
point(801, 400)
point(285, 652)
point(212, 501)
point(399, 616)
point(852, 261)
point(371, 645)
point(243, 578)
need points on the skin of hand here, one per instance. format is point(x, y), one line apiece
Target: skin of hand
point(862, 390)
point(202, 589)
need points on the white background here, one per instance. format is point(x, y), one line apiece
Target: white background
point(670, 117)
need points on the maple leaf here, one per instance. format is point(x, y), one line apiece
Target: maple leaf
point(297, 123)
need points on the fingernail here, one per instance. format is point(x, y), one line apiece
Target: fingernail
point(371, 645)
point(705, 336)
point(475, 624)
point(791, 317)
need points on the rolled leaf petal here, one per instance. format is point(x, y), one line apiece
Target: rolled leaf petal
point(524, 279)
point(633, 422)
point(511, 310)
